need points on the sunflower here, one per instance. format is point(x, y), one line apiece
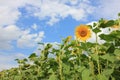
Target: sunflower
point(82, 32)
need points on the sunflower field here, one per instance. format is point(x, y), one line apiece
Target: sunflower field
point(75, 59)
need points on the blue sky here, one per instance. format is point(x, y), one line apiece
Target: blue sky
point(23, 23)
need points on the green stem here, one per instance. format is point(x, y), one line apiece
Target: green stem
point(75, 78)
point(60, 68)
point(60, 63)
point(107, 64)
point(3, 75)
point(38, 69)
point(92, 67)
point(20, 71)
point(91, 64)
point(98, 62)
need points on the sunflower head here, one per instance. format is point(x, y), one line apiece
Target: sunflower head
point(82, 32)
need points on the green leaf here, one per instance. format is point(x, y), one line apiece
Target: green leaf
point(86, 75)
point(50, 71)
point(96, 30)
point(94, 24)
point(117, 52)
point(95, 56)
point(110, 23)
point(119, 14)
point(104, 24)
point(17, 77)
point(107, 72)
point(89, 44)
point(117, 42)
point(115, 34)
point(111, 49)
point(52, 77)
point(113, 78)
point(83, 46)
point(40, 43)
point(108, 57)
point(66, 68)
point(105, 37)
point(81, 68)
point(48, 46)
point(33, 55)
point(25, 59)
point(101, 77)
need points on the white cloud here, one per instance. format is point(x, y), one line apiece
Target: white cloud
point(7, 35)
point(55, 10)
point(34, 26)
point(73, 2)
point(91, 23)
point(29, 40)
point(24, 38)
point(5, 66)
point(8, 60)
point(108, 9)
point(59, 9)
point(39, 37)
point(9, 12)
point(8, 16)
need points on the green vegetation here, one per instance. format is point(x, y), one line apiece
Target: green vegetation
point(73, 59)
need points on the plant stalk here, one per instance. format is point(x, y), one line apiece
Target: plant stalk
point(98, 62)
point(60, 68)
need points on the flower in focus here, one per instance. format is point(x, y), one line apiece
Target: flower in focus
point(82, 32)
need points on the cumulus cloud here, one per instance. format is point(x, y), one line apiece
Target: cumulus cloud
point(59, 9)
point(9, 11)
point(24, 38)
point(8, 60)
point(7, 35)
point(29, 40)
point(34, 26)
point(8, 16)
point(55, 10)
point(107, 9)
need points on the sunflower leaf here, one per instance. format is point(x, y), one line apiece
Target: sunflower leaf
point(96, 30)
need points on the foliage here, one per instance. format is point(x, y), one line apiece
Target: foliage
point(73, 59)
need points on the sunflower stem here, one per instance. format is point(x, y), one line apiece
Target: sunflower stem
point(60, 68)
point(98, 62)
point(91, 64)
point(60, 62)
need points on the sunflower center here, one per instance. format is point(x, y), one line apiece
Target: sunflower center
point(83, 33)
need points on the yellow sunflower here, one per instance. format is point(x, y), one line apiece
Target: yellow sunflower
point(82, 32)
